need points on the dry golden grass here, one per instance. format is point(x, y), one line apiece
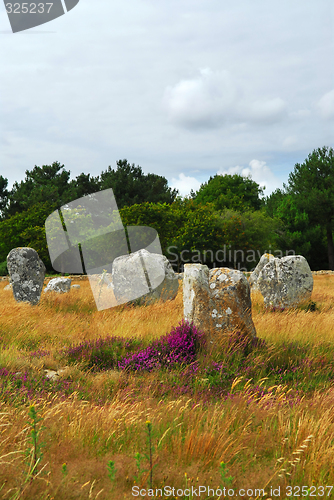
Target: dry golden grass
point(264, 441)
point(298, 325)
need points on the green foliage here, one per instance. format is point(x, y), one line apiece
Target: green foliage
point(36, 453)
point(3, 193)
point(26, 229)
point(223, 473)
point(273, 201)
point(111, 470)
point(230, 191)
point(192, 232)
point(131, 186)
point(296, 231)
point(164, 218)
point(42, 184)
point(149, 457)
point(3, 269)
point(252, 233)
point(311, 185)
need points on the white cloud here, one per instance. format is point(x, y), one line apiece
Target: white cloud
point(185, 184)
point(300, 114)
point(259, 172)
point(213, 99)
point(325, 105)
point(264, 110)
point(205, 101)
point(290, 142)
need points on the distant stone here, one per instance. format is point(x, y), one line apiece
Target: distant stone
point(58, 285)
point(143, 277)
point(75, 286)
point(286, 282)
point(55, 374)
point(8, 287)
point(265, 258)
point(27, 272)
point(217, 301)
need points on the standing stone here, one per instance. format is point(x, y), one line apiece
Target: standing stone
point(286, 282)
point(143, 277)
point(59, 285)
point(266, 257)
point(217, 301)
point(27, 272)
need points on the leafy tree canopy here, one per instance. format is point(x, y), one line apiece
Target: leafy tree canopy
point(312, 186)
point(46, 183)
point(3, 193)
point(131, 186)
point(230, 191)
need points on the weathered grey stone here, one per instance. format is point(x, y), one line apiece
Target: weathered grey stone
point(286, 282)
point(179, 276)
point(217, 301)
point(75, 286)
point(265, 258)
point(58, 285)
point(143, 277)
point(27, 272)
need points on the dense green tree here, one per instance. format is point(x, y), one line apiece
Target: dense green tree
point(82, 185)
point(26, 229)
point(131, 186)
point(46, 183)
point(298, 235)
point(3, 194)
point(273, 201)
point(248, 234)
point(230, 191)
point(311, 185)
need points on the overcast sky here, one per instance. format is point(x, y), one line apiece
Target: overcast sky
point(184, 88)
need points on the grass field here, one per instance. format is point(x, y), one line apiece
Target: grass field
point(251, 417)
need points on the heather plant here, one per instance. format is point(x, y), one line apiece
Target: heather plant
point(24, 387)
point(101, 354)
point(180, 346)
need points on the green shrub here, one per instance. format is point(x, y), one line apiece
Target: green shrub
point(3, 269)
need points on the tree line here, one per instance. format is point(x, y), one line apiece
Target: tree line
point(226, 223)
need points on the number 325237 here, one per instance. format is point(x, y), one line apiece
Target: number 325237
point(28, 8)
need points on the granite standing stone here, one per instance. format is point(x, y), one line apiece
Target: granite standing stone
point(265, 258)
point(217, 301)
point(286, 282)
point(143, 277)
point(27, 272)
point(59, 285)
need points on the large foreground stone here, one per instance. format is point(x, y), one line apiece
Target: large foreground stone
point(286, 282)
point(143, 277)
point(59, 285)
point(265, 258)
point(217, 301)
point(26, 272)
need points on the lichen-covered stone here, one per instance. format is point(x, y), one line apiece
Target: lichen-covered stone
point(286, 282)
point(265, 258)
point(217, 301)
point(27, 272)
point(58, 285)
point(143, 277)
